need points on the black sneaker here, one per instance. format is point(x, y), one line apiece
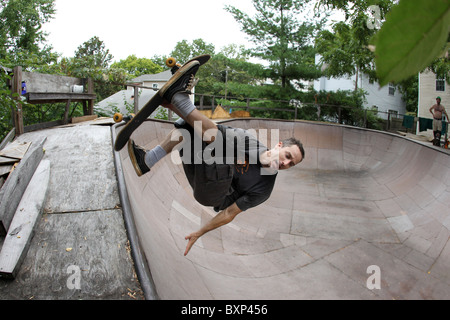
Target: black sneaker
point(183, 80)
point(137, 157)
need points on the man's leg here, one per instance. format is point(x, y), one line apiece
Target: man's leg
point(176, 90)
point(438, 138)
point(203, 126)
point(143, 160)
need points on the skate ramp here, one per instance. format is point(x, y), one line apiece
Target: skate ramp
point(364, 216)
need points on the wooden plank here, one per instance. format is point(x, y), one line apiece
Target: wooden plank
point(39, 82)
point(43, 125)
point(5, 169)
point(15, 150)
point(4, 161)
point(17, 89)
point(84, 118)
point(9, 138)
point(20, 232)
point(44, 97)
point(13, 189)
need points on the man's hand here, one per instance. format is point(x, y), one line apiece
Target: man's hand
point(192, 238)
point(224, 217)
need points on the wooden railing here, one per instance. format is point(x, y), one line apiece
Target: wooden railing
point(40, 88)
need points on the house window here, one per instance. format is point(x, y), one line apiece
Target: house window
point(391, 89)
point(155, 86)
point(440, 83)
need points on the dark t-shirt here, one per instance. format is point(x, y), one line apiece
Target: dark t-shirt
point(252, 184)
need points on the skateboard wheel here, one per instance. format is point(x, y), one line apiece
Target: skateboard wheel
point(118, 117)
point(171, 62)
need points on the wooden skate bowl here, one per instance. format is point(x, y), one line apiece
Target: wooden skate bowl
point(359, 199)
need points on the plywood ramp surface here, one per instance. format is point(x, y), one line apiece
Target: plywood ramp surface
point(360, 199)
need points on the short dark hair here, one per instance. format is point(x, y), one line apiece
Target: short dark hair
point(294, 142)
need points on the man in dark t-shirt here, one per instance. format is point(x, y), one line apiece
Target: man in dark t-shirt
point(227, 168)
point(251, 184)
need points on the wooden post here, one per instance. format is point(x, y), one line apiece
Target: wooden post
point(85, 108)
point(66, 112)
point(90, 85)
point(136, 100)
point(365, 118)
point(340, 114)
point(17, 89)
point(389, 121)
point(201, 102)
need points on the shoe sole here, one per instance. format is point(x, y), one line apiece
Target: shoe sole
point(178, 74)
point(133, 158)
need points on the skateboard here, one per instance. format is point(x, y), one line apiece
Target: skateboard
point(131, 125)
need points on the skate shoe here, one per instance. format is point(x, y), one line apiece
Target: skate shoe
point(183, 80)
point(137, 157)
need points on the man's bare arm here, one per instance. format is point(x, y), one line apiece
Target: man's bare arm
point(222, 218)
point(446, 115)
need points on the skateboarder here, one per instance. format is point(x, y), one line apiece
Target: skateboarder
point(242, 173)
point(437, 120)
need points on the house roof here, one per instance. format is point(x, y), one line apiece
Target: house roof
point(158, 77)
point(119, 99)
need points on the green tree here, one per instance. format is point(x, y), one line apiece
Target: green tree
point(345, 52)
point(345, 49)
point(21, 31)
point(414, 35)
point(94, 52)
point(23, 44)
point(92, 60)
point(184, 50)
point(280, 38)
point(137, 66)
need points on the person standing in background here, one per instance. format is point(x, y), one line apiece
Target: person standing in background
point(437, 110)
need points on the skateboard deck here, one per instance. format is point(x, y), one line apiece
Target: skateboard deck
point(124, 135)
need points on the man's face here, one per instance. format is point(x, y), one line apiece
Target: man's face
point(281, 158)
point(438, 101)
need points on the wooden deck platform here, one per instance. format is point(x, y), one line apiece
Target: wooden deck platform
point(80, 248)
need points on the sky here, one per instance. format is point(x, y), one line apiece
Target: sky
point(144, 28)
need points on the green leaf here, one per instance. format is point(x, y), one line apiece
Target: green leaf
point(413, 35)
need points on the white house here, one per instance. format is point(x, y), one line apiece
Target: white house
point(430, 87)
point(155, 81)
point(387, 100)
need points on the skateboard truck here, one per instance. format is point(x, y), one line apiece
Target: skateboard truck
point(172, 63)
point(118, 117)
